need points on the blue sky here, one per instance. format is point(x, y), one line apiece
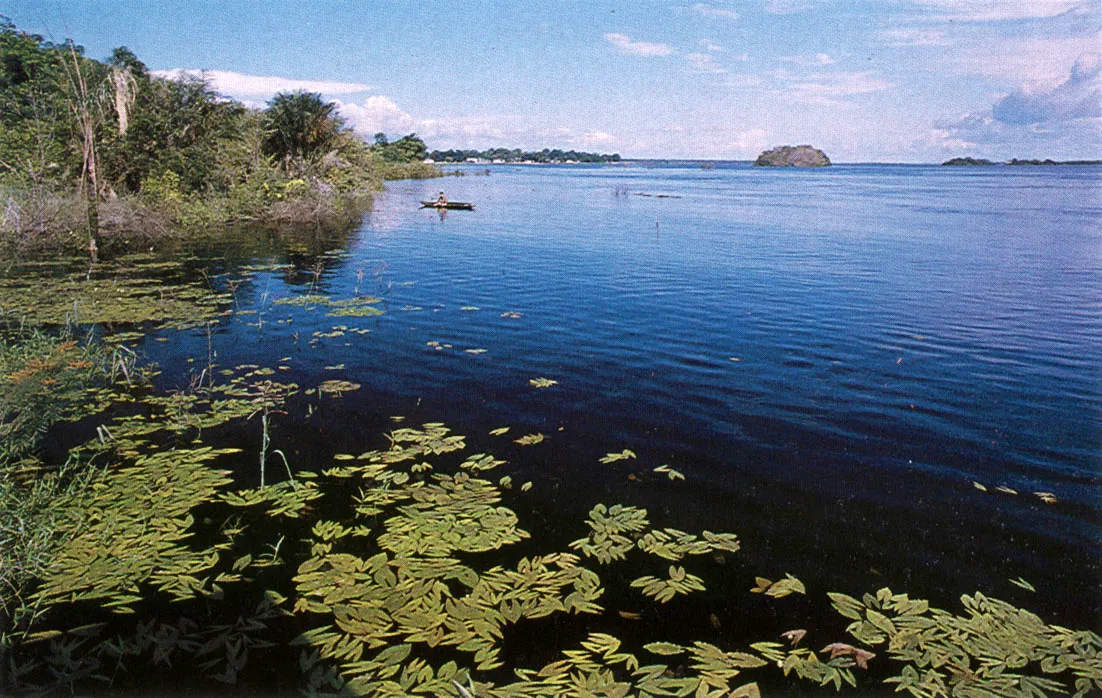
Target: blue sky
point(866, 80)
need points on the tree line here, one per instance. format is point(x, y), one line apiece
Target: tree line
point(516, 155)
point(111, 130)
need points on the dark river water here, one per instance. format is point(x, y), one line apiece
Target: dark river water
point(833, 359)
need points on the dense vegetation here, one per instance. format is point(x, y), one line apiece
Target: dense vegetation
point(105, 151)
point(966, 161)
point(516, 155)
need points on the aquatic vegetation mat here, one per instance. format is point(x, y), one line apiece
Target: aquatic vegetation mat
point(132, 290)
point(409, 569)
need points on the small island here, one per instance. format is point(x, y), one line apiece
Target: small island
point(970, 162)
point(516, 155)
point(1016, 162)
point(793, 156)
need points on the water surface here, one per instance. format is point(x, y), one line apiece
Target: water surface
point(832, 358)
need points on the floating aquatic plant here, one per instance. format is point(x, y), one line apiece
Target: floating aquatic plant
point(780, 588)
point(399, 600)
point(337, 388)
point(995, 649)
point(662, 590)
point(129, 529)
point(669, 472)
point(128, 291)
point(530, 439)
point(622, 455)
point(608, 525)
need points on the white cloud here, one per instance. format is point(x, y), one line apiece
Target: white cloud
point(788, 7)
point(637, 48)
point(242, 85)
point(830, 88)
point(377, 113)
point(1000, 10)
point(808, 61)
point(710, 46)
point(1078, 97)
point(599, 139)
point(703, 63)
point(1063, 122)
point(1034, 63)
point(989, 137)
point(914, 37)
point(945, 140)
point(750, 143)
point(706, 10)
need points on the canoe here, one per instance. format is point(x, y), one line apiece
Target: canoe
point(453, 205)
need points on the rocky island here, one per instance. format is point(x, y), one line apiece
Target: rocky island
point(793, 156)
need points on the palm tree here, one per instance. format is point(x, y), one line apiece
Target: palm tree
point(300, 126)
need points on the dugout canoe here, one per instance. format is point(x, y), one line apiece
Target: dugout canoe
point(450, 205)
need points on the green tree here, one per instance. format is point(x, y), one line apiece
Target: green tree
point(406, 149)
point(300, 127)
point(34, 119)
point(410, 148)
point(179, 126)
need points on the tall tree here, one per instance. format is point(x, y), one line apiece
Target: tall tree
point(300, 127)
point(84, 94)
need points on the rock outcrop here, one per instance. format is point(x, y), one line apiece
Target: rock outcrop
point(793, 156)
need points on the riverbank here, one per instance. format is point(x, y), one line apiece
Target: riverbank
point(105, 155)
point(45, 221)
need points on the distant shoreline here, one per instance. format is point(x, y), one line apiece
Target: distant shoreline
point(1015, 162)
point(706, 163)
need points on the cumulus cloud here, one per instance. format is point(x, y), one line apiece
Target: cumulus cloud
point(245, 86)
point(707, 10)
point(984, 134)
point(1000, 10)
point(1078, 97)
point(1063, 122)
point(637, 48)
point(377, 114)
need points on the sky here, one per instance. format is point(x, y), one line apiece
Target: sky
point(864, 80)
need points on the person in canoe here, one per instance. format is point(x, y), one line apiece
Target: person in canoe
point(441, 200)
